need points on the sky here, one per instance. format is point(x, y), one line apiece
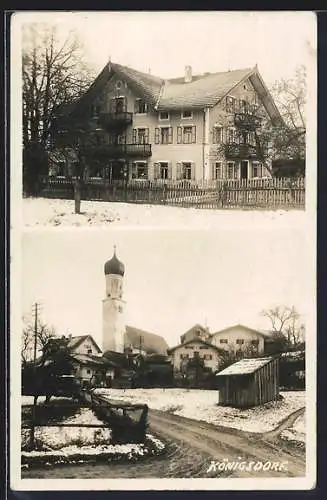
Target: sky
point(173, 278)
point(209, 41)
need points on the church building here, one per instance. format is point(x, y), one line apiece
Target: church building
point(118, 337)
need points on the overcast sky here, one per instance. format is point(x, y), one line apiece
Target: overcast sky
point(173, 279)
point(208, 41)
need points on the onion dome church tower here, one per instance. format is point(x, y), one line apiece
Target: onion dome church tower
point(113, 306)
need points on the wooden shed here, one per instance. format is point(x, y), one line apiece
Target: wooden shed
point(249, 382)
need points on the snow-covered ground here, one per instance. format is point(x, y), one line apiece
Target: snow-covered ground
point(40, 212)
point(202, 405)
point(71, 444)
point(296, 432)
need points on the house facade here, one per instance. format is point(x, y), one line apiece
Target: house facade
point(141, 127)
point(240, 338)
point(183, 353)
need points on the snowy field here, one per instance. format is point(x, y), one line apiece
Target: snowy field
point(202, 405)
point(44, 212)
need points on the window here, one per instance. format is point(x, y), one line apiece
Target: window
point(217, 135)
point(186, 114)
point(231, 135)
point(231, 170)
point(244, 105)
point(164, 170)
point(217, 170)
point(141, 106)
point(230, 104)
point(61, 171)
point(88, 372)
point(223, 341)
point(255, 342)
point(202, 347)
point(140, 136)
point(186, 135)
point(118, 85)
point(256, 170)
point(118, 105)
point(89, 351)
point(139, 170)
point(163, 135)
point(186, 170)
point(163, 115)
point(240, 341)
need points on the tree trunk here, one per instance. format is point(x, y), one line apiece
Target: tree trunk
point(77, 196)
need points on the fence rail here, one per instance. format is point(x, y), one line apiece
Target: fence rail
point(232, 193)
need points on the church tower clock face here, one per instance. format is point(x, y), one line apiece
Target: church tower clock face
point(113, 306)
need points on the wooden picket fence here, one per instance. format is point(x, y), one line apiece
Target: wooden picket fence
point(271, 193)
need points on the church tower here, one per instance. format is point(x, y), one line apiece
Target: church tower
point(113, 306)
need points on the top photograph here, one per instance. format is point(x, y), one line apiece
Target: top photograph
point(163, 118)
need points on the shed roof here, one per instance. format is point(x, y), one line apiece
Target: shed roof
point(245, 366)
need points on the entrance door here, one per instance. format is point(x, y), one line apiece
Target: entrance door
point(244, 169)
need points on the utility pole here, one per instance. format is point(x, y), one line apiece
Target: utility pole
point(32, 439)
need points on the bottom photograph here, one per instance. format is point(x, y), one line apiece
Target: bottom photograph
point(163, 354)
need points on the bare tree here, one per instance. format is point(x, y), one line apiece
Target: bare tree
point(285, 324)
point(286, 138)
point(44, 333)
point(53, 74)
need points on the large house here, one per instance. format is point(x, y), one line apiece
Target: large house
point(210, 347)
point(134, 125)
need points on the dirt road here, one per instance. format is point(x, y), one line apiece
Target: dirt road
point(191, 446)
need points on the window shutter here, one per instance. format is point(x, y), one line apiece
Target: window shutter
point(178, 170)
point(146, 137)
point(170, 170)
point(157, 136)
point(170, 135)
point(193, 134)
point(179, 135)
point(193, 170)
point(134, 135)
point(213, 171)
point(156, 170)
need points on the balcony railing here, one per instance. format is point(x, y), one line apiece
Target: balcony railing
point(235, 150)
point(247, 120)
point(114, 120)
point(118, 150)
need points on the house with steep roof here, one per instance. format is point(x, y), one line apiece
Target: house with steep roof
point(206, 352)
point(241, 338)
point(143, 127)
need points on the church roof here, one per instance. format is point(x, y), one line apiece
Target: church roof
point(150, 342)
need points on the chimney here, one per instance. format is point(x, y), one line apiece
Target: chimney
point(188, 74)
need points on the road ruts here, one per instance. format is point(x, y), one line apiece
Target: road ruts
point(190, 447)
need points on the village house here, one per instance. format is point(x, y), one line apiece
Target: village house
point(241, 338)
point(181, 354)
point(138, 126)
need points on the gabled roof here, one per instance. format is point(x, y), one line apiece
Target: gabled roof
point(86, 359)
point(150, 342)
point(264, 333)
point(201, 92)
point(79, 339)
point(194, 327)
point(196, 340)
point(245, 366)
point(174, 94)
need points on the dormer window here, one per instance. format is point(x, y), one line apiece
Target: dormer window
point(163, 115)
point(187, 114)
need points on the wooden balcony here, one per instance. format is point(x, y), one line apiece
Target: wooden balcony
point(247, 121)
point(112, 151)
point(112, 121)
point(240, 151)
